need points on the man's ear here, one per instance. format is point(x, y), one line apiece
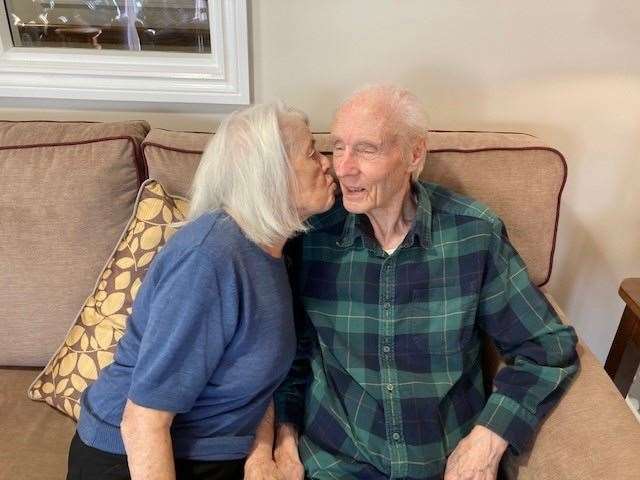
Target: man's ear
point(418, 152)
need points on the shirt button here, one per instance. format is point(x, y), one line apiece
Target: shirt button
point(396, 436)
point(390, 387)
point(386, 349)
point(386, 305)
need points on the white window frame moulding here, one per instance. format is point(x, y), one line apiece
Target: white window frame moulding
point(221, 77)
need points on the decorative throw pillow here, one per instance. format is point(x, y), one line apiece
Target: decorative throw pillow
point(92, 339)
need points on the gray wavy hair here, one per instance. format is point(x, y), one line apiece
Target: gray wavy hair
point(245, 170)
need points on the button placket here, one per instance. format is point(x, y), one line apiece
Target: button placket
point(389, 374)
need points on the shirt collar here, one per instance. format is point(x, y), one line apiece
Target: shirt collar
point(358, 225)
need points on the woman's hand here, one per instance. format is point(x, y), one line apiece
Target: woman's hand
point(147, 441)
point(259, 467)
point(286, 453)
point(259, 464)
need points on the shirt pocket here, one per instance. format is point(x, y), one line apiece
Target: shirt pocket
point(443, 323)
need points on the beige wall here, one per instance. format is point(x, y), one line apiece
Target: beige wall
point(568, 72)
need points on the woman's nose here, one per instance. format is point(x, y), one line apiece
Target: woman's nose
point(325, 164)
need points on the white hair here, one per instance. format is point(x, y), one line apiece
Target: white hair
point(407, 115)
point(245, 170)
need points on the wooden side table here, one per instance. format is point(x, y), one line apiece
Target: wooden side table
point(624, 355)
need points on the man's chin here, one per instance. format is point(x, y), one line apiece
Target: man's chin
point(353, 207)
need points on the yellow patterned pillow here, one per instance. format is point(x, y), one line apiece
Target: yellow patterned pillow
point(93, 337)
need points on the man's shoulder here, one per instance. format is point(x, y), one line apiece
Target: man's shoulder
point(324, 229)
point(447, 202)
point(331, 221)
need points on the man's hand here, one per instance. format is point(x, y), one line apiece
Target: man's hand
point(286, 453)
point(477, 456)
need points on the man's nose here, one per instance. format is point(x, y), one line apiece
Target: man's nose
point(346, 164)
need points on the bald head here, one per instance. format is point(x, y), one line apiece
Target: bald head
point(397, 108)
point(394, 112)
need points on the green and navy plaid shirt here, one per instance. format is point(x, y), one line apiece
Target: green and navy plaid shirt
point(388, 376)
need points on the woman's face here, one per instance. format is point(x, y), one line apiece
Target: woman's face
point(315, 192)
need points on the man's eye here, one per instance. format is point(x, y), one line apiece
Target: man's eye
point(338, 148)
point(368, 149)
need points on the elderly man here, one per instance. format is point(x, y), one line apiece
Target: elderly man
point(395, 286)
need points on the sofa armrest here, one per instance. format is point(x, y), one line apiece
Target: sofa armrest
point(590, 434)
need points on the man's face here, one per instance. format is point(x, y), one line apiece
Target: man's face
point(367, 159)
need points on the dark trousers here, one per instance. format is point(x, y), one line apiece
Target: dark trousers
point(88, 463)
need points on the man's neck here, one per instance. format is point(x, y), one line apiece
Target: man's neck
point(390, 225)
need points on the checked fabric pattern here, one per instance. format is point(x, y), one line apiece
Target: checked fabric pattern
point(388, 374)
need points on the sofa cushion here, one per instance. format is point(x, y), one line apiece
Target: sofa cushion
point(92, 339)
point(173, 157)
point(515, 174)
point(66, 190)
point(35, 440)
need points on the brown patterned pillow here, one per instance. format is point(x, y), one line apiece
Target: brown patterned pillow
point(92, 339)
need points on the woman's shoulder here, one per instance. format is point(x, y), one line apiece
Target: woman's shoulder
point(196, 243)
point(212, 234)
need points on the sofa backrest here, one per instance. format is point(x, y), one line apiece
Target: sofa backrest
point(67, 190)
point(515, 174)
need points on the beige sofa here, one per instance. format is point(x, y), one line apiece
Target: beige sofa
point(67, 190)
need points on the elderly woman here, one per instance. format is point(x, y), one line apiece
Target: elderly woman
point(211, 335)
